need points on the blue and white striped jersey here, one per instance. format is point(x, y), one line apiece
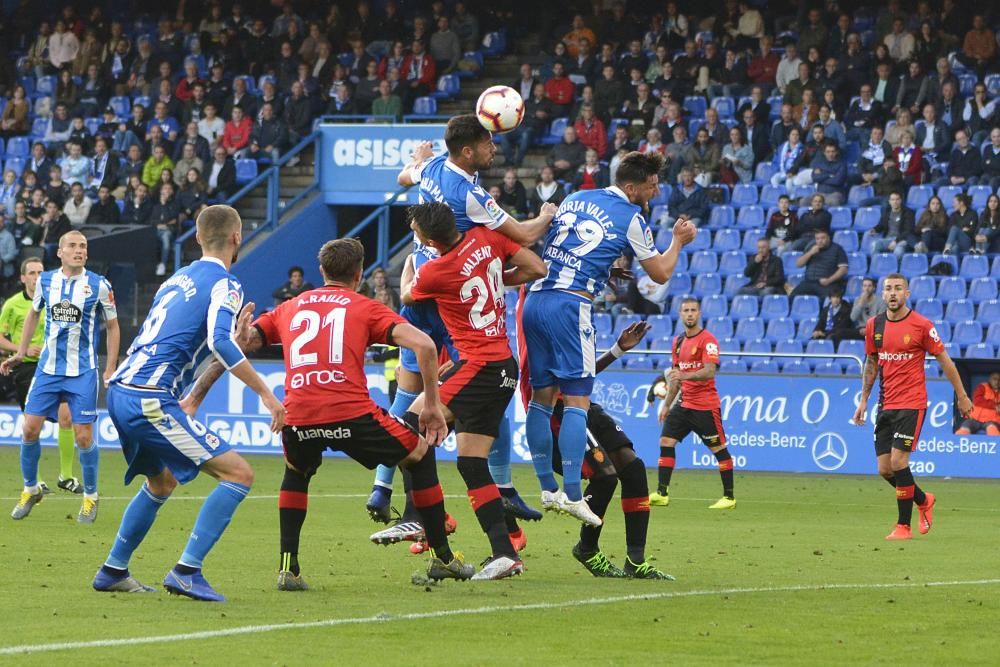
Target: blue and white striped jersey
point(443, 181)
point(71, 304)
point(193, 316)
point(592, 228)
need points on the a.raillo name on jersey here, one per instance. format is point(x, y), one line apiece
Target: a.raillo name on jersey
point(65, 312)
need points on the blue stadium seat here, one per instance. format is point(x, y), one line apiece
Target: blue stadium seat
point(144, 101)
point(252, 83)
point(733, 365)
point(820, 347)
point(765, 366)
point(780, 328)
point(246, 171)
point(930, 307)
point(726, 239)
point(775, 102)
point(867, 217)
point(732, 263)
point(682, 262)
point(660, 199)
point(427, 106)
point(495, 43)
point(882, 264)
point(980, 351)
point(763, 173)
point(680, 284)
point(921, 286)
point(853, 289)
point(769, 195)
point(46, 85)
point(744, 194)
point(774, 306)
point(851, 367)
point(720, 189)
point(750, 328)
point(720, 327)
point(858, 194)
point(995, 269)
point(989, 312)
point(967, 332)
point(448, 87)
point(796, 367)
point(744, 305)
point(18, 147)
point(15, 164)
point(734, 284)
point(829, 367)
point(959, 310)
point(846, 239)
point(982, 289)
point(92, 125)
point(788, 346)
point(857, 264)
point(788, 261)
point(725, 106)
point(715, 305)
point(947, 259)
point(806, 328)
point(974, 266)
point(702, 242)
point(750, 238)
point(703, 261)
point(122, 106)
point(555, 133)
point(947, 193)
point(950, 288)
point(721, 216)
point(992, 82)
point(855, 347)
point(602, 323)
point(913, 265)
point(967, 84)
point(932, 369)
point(803, 191)
point(38, 127)
point(695, 106)
point(756, 346)
point(840, 217)
point(664, 342)
point(980, 195)
point(993, 334)
point(624, 321)
point(707, 283)
point(639, 362)
point(750, 216)
point(918, 196)
point(803, 307)
point(603, 341)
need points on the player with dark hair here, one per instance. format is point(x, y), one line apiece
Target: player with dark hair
point(895, 344)
point(592, 229)
point(695, 361)
point(467, 281)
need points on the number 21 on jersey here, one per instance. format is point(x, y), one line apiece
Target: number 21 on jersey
point(311, 322)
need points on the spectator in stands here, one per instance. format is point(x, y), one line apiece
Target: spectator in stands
point(58, 129)
point(765, 271)
point(269, 137)
point(513, 197)
point(105, 210)
point(784, 125)
point(342, 104)
point(192, 197)
point(801, 172)
point(8, 251)
point(136, 124)
point(418, 74)
point(26, 233)
point(36, 206)
point(979, 48)
point(221, 177)
point(834, 322)
point(218, 87)
point(382, 292)
point(77, 207)
point(962, 224)
point(445, 46)
point(928, 48)
point(546, 190)
point(866, 306)
point(142, 68)
point(615, 298)
point(388, 103)
point(688, 199)
point(579, 32)
point(166, 123)
point(93, 93)
point(980, 114)
point(727, 79)
point(591, 131)
point(525, 84)
point(240, 99)
point(788, 68)
point(591, 174)
point(736, 163)
point(896, 230)
point(38, 162)
point(885, 88)
point(910, 160)
point(899, 42)
point(692, 69)
point(286, 67)
point(298, 114)
point(258, 49)
point(609, 94)
point(188, 160)
point(54, 224)
point(674, 153)
point(864, 114)
point(621, 140)
point(781, 226)
point(56, 188)
point(560, 91)
point(79, 133)
point(211, 127)
point(653, 144)
point(466, 26)
point(367, 88)
point(269, 94)
point(965, 164)
point(988, 235)
point(76, 167)
point(904, 123)
point(236, 136)
point(748, 30)
point(949, 109)
point(184, 90)
point(155, 165)
point(932, 227)
point(763, 67)
point(756, 136)
point(912, 93)
point(703, 158)
point(192, 137)
point(132, 166)
point(566, 156)
point(786, 156)
point(165, 213)
point(8, 192)
point(310, 87)
point(826, 267)
point(63, 46)
point(166, 96)
point(932, 137)
point(294, 286)
point(103, 167)
point(830, 176)
point(873, 157)
point(985, 415)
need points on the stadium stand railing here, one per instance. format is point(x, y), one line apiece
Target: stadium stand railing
point(381, 217)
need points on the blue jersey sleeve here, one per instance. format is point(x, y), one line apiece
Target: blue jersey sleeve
point(640, 238)
point(227, 300)
point(482, 209)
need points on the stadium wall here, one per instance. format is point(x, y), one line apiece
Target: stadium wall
point(773, 423)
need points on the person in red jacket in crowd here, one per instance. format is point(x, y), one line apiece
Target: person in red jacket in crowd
point(418, 74)
point(763, 68)
point(236, 135)
point(185, 87)
point(910, 159)
point(590, 131)
point(985, 415)
point(560, 91)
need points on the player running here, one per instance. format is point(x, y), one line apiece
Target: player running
point(71, 297)
point(467, 282)
point(12, 317)
point(192, 319)
point(592, 229)
point(695, 362)
point(452, 178)
point(895, 344)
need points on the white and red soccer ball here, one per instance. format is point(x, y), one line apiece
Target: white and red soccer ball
point(500, 109)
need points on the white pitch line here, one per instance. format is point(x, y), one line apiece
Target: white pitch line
point(444, 613)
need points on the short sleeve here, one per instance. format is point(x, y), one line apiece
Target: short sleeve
point(841, 256)
point(233, 297)
point(106, 296)
point(38, 300)
point(267, 324)
point(640, 238)
point(482, 209)
point(417, 172)
point(423, 282)
point(5, 318)
point(381, 321)
point(870, 336)
point(711, 354)
point(933, 344)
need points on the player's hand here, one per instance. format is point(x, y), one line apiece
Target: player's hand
point(859, 416)
point(243, 322)
point(108, 372)
point(684, 231)
point(548, 210)
point(664, 409)
point(433, 425)
point(277, 411)
point(10, 363)
point(621, 274)
point(675, 375)
point(189, 405)
point(964, 405)
point(633, 334)
point(34, 350)
point(445, 367)
point(424, 151)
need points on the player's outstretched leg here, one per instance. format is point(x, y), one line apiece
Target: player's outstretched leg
point(728, 500)
point(429, 501)
point(408, 527)
point(235, 477)
point(538, 429)
point(572, 448)
point(635, 505)
point(499, 462)
point(485, 499)
point(588, 551)
point(114, 575)
point(31, 494)
point(293, 503)
point(89, 459)
point(665, 471)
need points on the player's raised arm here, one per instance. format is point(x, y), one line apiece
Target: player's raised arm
point(660, 266)
point(410, 174)
point(527, 266)
point(628, 339)
point(432, 421)
point(528, 232)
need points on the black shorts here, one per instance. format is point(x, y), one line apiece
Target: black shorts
point(604, 435)
point(372, 439)
point(23, 375)
point(897, 429)
point(706, 424)
point(478, 392)
point(975, 426)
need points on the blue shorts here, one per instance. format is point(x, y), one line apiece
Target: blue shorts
point(48, 391)
point(425, 317)
point(156, 434)
point(559, 332)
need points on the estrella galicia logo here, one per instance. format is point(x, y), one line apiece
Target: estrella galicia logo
point(829, 451)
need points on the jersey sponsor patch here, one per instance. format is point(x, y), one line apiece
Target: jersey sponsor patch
point(493, 209)
point(65, 312)
point(232, 300)
point(648, 236)
point(712, 348)
point(934, 335)
point(87, 291)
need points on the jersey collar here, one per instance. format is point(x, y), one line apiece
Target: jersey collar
point(213, 260)
point(615, 190)
point(471, 178)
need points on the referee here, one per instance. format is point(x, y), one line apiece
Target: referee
point(15, 310)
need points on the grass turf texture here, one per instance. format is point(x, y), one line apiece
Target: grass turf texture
point(755, 585)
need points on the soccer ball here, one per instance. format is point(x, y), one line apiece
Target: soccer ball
point(500, 109)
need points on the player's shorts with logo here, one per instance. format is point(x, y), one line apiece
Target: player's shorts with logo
point(559, 331)
point(605, 436)
point(897, 429)
point(706, 424)
point(425, 317)
point(156, 434)
point(376, 438)
point(48, 391)
point(478, 393)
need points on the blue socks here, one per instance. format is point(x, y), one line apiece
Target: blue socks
point(499, 458)
point(572, 447)
point(402, 403)
point(538, 428)
point(31, 452)
point(136, 522)
point(88, 463)
point(213, 518)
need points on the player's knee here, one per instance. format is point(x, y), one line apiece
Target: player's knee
point(161, 485)
point(32, 428)
point(633, 477)
point(240, 473)
point(623, 457)
point(963, 431)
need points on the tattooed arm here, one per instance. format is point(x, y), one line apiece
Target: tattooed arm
point(868, 376)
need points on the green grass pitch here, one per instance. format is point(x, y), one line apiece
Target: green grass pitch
point(798, 574)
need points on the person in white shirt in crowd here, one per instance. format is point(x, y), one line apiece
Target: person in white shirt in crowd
point(77, 207)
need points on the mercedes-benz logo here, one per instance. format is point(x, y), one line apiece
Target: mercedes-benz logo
point(829, 451)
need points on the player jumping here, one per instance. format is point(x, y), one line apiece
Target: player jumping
point(71, 297)
point(695, 361)
point(467, 282)
point(895, 344)
point(592, 229)
point(192, 318)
